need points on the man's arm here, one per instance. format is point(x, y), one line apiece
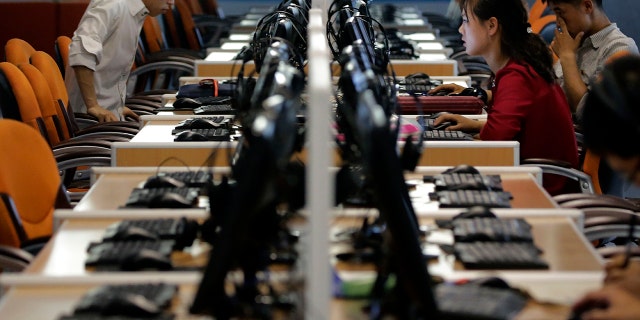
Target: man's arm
point(84, 78)
point(565, 47)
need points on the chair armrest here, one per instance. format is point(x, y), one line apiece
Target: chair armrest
point(14, 259)
point(559, 168)
point(610, 202)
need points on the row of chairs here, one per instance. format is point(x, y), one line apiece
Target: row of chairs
point(44, 142)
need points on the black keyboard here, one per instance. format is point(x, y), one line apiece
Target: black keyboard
point(217, 134)
point(470, 198)
point(111, 254)
point(90, 316)
point(416, 88)
point(221, 121)
point(190, 178)
point(147, 197)
point(499, 255)
point(476, 181)
point(99, 301)
point(446, 135)
point(473, 302)
point(492, 229)
point(182, 230)
point(213, 100)
point(214, 109)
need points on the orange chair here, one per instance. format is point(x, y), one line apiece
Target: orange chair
point(18, 51)
point(70, 154)
point(61, 48)
point(48, 67)
point(30, 187)
point(16, 86)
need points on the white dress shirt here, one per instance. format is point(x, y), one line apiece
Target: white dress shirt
point(106, 42)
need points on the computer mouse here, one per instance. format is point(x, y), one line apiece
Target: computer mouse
point(202, 123)
point(163, 182)
point(475, 212)
point(170, 200)
point(189, 135)
point(462, 168)
point(133, 233)
point(491, 282)
point(186, 103)
point(146, 259)
point(131, 305)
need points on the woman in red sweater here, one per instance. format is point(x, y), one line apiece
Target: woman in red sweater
point(524, 103)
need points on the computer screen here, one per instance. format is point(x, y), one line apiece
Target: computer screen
point(248, 221)
point(382, 166)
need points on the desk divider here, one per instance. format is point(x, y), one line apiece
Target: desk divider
point(319, 186)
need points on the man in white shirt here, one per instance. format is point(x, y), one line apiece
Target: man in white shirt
point(102, 53)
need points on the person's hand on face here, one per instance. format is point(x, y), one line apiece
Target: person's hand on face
point(563, 44)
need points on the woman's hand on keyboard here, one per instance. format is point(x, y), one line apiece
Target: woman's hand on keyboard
point(459, 122)
point(449, 88)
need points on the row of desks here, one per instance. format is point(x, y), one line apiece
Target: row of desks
point(57, 278)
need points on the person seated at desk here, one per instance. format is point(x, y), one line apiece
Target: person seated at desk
point(611, 128)
point(524, 104)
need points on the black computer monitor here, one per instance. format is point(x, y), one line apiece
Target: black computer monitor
point(358, 74)
point(249, 222)
point(382, 165)
point(279, 25)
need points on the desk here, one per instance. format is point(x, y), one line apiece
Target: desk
point(575, 269)
point(111, 186)
point(54, 300)
point(224, 68)
point(154, 144)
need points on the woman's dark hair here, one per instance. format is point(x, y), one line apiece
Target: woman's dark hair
point(611, 114)
point(517, 41)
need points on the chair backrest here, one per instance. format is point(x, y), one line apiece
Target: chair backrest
point(48, 67)
point(195, 6)
point(211, 7)
point(48, 105)
point(152, 36)
point(185, 26)
point(25, 99)
point(18, 51)
point(29, 184)
point(538, 10)
point(61, 48)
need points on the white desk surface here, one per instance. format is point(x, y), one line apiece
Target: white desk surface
point(54, 300)
point(112, 185)
point(64, 255)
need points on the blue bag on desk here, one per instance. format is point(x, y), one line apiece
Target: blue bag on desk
point(206, 88)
